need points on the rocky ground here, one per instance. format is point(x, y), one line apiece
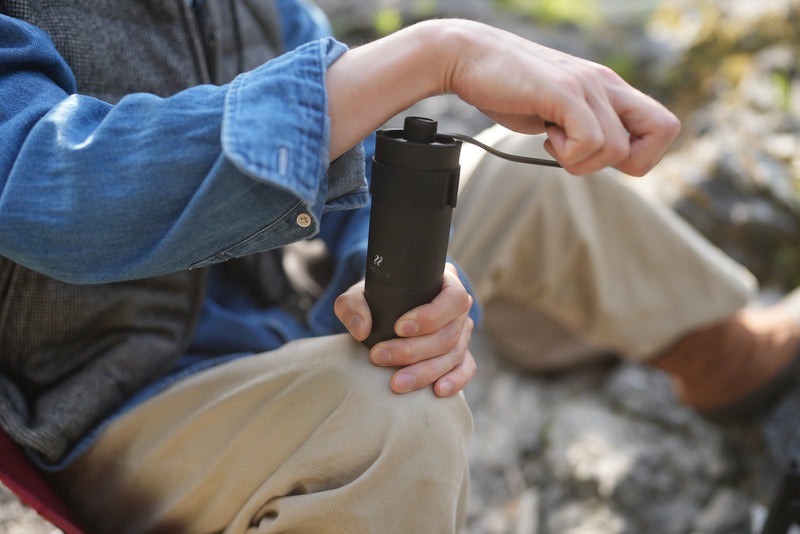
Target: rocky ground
point(606, 449)
point(16, 518)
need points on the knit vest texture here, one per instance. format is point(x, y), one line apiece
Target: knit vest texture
point(70, 355)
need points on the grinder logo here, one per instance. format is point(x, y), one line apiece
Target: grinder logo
point(374, 267)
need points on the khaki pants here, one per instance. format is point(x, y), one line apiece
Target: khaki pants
point(304, 439)
point(570, 268)
point(309, 439)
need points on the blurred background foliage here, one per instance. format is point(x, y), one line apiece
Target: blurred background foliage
point(712, 42)
point(728, 68)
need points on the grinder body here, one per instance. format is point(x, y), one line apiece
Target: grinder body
point(414, 186)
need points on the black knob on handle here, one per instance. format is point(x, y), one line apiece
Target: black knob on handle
point(414, 187)
point(419, 130)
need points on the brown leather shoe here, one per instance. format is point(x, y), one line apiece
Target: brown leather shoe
point(733, 370)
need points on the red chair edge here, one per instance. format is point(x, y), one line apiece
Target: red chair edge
point(19, 475)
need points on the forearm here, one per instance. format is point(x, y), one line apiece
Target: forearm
point(370, 84)
point(602, 121)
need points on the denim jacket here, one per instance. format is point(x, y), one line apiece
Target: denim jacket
point(153, 185)
point(135, 191)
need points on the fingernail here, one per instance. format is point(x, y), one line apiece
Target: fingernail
point(407, 328)
point(405, 382)
point(381, 356)
point(445, 389)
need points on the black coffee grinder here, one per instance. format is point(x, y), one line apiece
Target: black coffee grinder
point(414, 188)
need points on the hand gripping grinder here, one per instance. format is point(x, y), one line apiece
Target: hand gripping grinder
point(414, 188)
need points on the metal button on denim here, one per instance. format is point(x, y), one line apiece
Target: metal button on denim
point(304, 220)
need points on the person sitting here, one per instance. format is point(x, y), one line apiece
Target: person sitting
point(162, 166)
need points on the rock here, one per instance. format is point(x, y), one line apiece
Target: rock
point(612, 452)
point(726, 513)
point(16, 518)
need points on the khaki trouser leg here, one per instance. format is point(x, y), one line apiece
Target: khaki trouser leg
point(569, 267)
point(307, 438)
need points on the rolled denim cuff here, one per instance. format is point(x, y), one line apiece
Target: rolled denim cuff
point(275, 125)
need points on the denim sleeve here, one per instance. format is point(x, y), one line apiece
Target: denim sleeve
point(91, 192)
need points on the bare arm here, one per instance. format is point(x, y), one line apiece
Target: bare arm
point(371, 83)
point(602, 120)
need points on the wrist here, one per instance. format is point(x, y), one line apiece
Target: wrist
point(437, 44)
point(447, 43)
point(370, 84)
point(427, 53)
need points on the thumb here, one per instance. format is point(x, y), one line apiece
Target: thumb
point(353, 311)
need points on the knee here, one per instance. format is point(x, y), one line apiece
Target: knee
point(422, 446)
point(413, 421)
point(425, 422)
point(409, 449)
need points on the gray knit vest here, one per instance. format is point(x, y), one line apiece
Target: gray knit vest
point(70, 355)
